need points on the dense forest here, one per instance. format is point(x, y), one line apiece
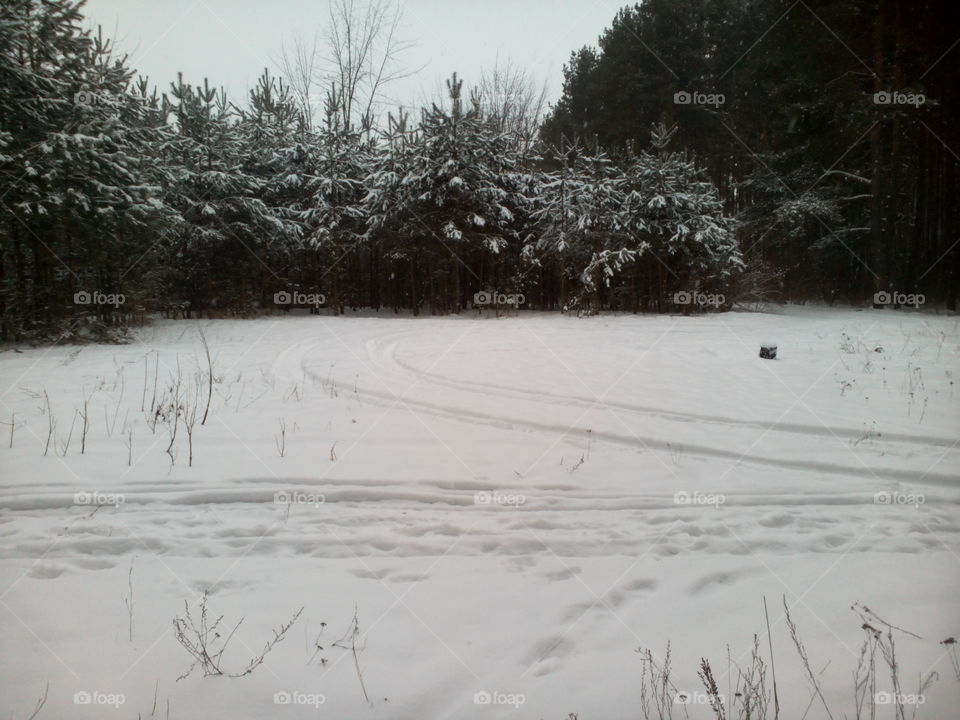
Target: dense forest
point(706, 152)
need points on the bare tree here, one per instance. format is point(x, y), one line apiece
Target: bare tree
point(299, 63)
point(347, 68)
point(513, 99)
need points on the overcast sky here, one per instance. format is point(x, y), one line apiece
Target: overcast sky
point(231, 41)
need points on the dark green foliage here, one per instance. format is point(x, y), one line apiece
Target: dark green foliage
point(846, 196)
point(783, 175)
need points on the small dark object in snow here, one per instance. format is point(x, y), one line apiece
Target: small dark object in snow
point(768, 352)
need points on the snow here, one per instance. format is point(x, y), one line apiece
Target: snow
point(511, 506)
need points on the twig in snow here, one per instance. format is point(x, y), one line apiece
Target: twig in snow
point(41, 702)
point(129, 443)
point(86, 425)
point(66, 445)
point(773, 668)
point(51, 425)
point(281, 440)
point(202, 639)
point(128, 601)
point(352, 635)
point(13, 424)
point(206, 349)
point(803, 657)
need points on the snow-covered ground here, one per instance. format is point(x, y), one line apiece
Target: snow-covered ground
point(510, 507)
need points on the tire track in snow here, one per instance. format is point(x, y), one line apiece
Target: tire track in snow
point(486, 388)
point(636, 440)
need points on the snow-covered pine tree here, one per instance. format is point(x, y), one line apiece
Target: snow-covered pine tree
point(580, 212)
point(340, 161)
point(455, 201)
point(275, 158)
point(217, 258)
point(390, 159)
point(76, 146)
point(672, 211)
point(796, 229)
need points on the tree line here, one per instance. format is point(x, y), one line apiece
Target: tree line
point(828, 126)
point(117, 200)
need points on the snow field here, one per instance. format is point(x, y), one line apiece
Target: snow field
point(511, 508)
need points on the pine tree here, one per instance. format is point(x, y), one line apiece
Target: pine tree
point(76, 137)
point(340, 164)
point(275, 160)
point(673, 211)
point(455, 199)
point(581, 211)
point(217, 257)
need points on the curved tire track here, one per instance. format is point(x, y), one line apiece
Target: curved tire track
point(670, 415)
point(634, 440)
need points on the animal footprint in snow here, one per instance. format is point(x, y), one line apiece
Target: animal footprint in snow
point(562, 574)
point(641, 584)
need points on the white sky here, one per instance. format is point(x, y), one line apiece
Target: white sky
point(231, 41)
